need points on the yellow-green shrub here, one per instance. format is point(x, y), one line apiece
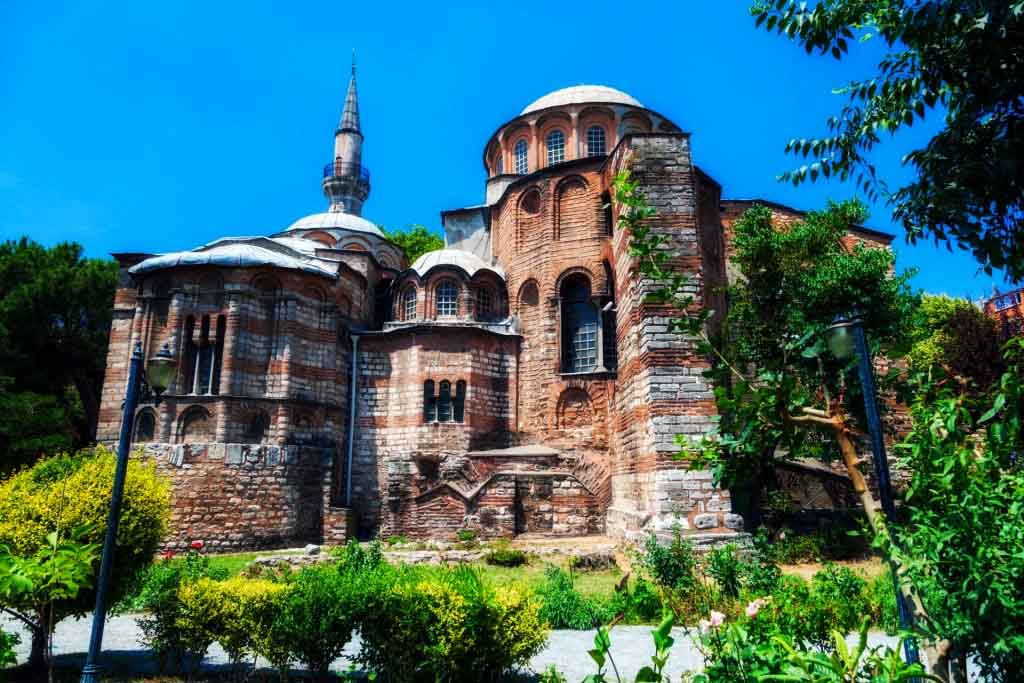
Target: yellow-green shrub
point(233, 613)
point(71, 490)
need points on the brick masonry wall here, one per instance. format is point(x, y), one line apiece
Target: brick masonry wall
point(661, 391)
point(237, 497)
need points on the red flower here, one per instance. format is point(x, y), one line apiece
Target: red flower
point(168, 554)
point(197, 545)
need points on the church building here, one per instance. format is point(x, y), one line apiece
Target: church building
point(514, 382)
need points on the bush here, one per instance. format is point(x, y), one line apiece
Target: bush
point(314, 619)
point(72, 492)
point(673, 566)
point(158, 596)
point(420, 623)
point(725, 568)
point(835, 600)
point(466, 535)
point(564, 606)
point(759, 574)
point(641, 605)
point(504, 556)
point(7, 643)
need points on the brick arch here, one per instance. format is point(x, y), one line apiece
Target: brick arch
point(195, 425)
point(257, 427)
point(569, 272)
point(635, 120)
point(145, 430)
point(528, 295)
point(529, 219)
point(574, 410)
point(322, 237)
point(574, 209)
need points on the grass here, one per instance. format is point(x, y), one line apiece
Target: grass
point(588, 583)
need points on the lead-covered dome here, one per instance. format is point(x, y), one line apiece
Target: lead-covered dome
point(469, 262)
point(581, 94)
point(340, 220)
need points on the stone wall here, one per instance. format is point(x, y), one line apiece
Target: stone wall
point(661, 391)
point(244, 497)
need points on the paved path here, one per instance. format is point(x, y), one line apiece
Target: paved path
point(632, 648)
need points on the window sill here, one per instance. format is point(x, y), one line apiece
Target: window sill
point(596, 373)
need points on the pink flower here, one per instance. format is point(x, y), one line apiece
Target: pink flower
point(197, 545)
point(754, 607)
point(717, 619)
point(704, 625)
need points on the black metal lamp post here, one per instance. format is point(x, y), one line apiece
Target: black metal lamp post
point(845, 337)
point(158, 378)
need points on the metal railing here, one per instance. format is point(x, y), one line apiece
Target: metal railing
point(337, 169)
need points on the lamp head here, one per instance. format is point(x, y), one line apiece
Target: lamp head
point(839, 337)
point(160, 371)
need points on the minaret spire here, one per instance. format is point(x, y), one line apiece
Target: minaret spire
point(350, 114)
point(346, 182)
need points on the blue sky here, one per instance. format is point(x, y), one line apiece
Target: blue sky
point(161, 126)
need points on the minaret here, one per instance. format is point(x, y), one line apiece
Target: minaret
point(346, 181)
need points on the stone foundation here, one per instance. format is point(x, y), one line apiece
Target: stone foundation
point(236, 497)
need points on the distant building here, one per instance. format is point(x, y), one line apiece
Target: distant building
point(516, 381)
point(1008, 311)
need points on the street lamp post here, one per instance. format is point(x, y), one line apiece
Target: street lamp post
point(845, 337)
point(161, 371)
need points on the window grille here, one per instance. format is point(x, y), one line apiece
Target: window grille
point(484, 304)
point(556, 147)
point(595, 141)
point(522, 158)
point(447, 300)
point(579, 327)
point(409, 304)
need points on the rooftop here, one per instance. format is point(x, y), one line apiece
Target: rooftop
point(581, 94)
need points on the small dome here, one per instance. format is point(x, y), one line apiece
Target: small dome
point(336, 220)
point(465, 260)
point(239, 252)
point(580, 94)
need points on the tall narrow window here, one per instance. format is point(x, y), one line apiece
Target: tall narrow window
point(205, 365)
point(579, 326)
point(556, 147)
point(218, 355)
point(409, 304)
point(447, 294)
point(444, 402)
point(189, 356)
point(606, 209)
point(499, 165)
point(522, 159)
point(460, 401)
point(484, 304)
point(429, 402)
point(595, 141)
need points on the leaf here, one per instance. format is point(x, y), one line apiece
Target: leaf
point(997, 405)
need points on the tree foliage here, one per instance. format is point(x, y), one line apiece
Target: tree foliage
point(961, 61)
point(957, 336)
point(415, 241)
point(55, 313)
point(772, 367)
point(963, 540)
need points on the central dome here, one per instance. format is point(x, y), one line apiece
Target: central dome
point(580, 94)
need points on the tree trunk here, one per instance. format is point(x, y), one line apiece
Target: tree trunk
point(936, 653)
point(91, 406)
point(37, 655)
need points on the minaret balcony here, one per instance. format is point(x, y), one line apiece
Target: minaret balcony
point(341, 169)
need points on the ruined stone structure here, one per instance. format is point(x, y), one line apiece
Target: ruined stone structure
point(516, 381)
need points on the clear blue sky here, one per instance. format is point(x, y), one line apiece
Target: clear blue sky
point(160, 126)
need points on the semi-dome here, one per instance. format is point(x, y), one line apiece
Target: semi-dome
point(335, 220)
point(580, 94)
point(240, 252)
point(469, 262)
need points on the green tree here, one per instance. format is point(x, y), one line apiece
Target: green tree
point(415, 241)
point(960, 61)
point(956, 335)
point(55, 313)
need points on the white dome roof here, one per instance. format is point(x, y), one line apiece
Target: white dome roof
point(580, 94)
point(335, 220)
point(465, 260)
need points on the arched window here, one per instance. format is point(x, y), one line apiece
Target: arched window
point(145, 427)
point(459, 411)
point(579, 326)
point(409, 303)
point(444, 402)
point(595, 141)
point(484, 304)
point(447, 296)
point(556, 147)
point(522, 160)
point(429, 402)
point(610, 350)
point(257, 428)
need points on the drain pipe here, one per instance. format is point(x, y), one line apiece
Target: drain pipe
point(352, 391)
